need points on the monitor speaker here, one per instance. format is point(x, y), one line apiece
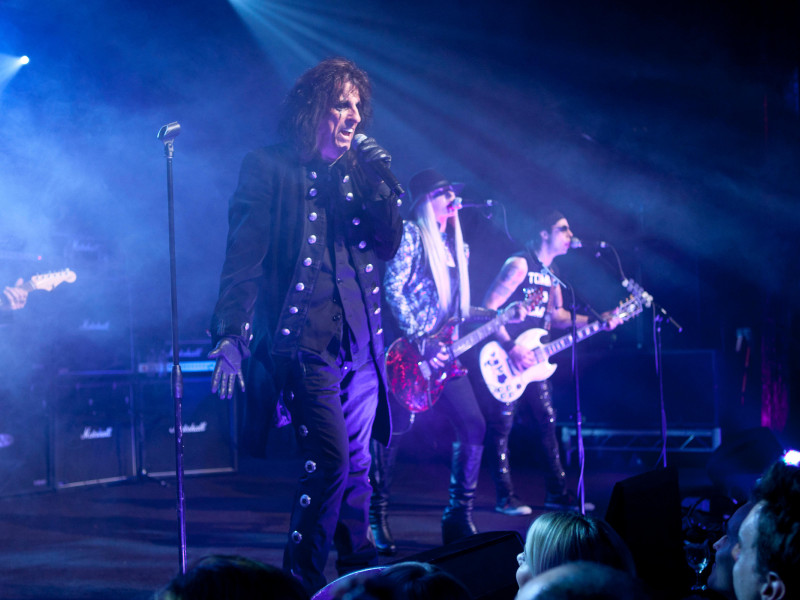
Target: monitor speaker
point(646, 512)
point(486, 563)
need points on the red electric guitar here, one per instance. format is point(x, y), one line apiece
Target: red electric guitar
point(413, 379)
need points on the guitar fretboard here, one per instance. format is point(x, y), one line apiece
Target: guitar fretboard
point(466, 342)
point(565, 342)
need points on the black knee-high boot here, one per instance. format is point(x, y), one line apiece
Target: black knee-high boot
point(457, 519)
point(380, 475)
point(507, 501)
point(555, 479)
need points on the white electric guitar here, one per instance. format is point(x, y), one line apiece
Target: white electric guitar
point(46, 281)
point(507, 385)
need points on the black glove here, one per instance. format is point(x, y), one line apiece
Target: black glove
point(228, 368)
point(369, 153)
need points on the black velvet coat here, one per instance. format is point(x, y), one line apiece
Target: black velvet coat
point(276, 236)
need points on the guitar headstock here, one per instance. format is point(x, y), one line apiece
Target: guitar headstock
point(628, 308)
point(638, 292)
point(47, 281)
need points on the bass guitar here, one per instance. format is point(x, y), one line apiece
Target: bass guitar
point(506, 385)
point(414, 381)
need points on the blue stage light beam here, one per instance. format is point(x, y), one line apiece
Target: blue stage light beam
point(9, 65)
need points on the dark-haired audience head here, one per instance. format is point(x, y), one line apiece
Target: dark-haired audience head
point(721, 578)
point(560, 537)
point(419, 581)
point(583, 581)
point(767, 557)
point(402, 581)
point(218, 577)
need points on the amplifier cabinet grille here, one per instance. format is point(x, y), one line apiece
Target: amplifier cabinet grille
point(93, 435)
point(209, 428)
point(23, 441)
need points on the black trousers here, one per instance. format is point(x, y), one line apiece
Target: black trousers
point(333, 410)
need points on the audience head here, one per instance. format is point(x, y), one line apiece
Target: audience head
point(767, 557)
point(721, 578)
point(560, 537)
point(583, 581)
point(419, 581)
point(232, 578)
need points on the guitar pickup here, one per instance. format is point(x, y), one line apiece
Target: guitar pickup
point(425, 369)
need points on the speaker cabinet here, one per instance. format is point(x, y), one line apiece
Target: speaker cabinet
point(23, 442)
point(209, 428)
point(93, 436)
point(645, 510)
point(89, 331)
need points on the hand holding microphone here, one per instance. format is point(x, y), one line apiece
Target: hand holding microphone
point(377, 163)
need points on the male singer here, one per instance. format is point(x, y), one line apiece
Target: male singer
point(300, 296)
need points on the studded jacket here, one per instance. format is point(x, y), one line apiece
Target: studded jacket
point(276, 238)
point(411, 292)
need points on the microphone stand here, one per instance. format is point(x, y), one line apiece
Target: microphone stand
point(167, 134)
point(660, 315)
point(578, 415)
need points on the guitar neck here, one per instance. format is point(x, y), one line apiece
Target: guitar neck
point(566, 341)
point(466, 342)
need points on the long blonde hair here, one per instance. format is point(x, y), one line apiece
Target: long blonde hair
point(437, 257)
point(560, 537)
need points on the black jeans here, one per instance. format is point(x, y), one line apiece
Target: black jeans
point(333, 410)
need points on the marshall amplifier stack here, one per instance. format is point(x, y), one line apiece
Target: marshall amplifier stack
point(209, 423)
point(76, 429)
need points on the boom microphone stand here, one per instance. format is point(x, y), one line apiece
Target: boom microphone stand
point(167, 134)
point(576, 378)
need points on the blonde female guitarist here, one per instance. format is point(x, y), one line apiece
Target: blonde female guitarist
point(426, 286)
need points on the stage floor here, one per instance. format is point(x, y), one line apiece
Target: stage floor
point(121, 540)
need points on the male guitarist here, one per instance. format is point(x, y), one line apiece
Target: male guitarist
point(531, 268)
point(14, 297)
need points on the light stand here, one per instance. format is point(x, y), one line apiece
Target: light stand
point(167, 134)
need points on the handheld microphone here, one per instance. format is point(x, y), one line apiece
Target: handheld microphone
point(381, 168)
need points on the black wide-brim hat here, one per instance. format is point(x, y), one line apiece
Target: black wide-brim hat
point(427, 181)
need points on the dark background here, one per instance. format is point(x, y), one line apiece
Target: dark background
point(668, 130)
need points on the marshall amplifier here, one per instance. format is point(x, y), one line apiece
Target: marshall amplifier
point(93, 435)
point(91, 326)
point(209, 427)
point(23, 442)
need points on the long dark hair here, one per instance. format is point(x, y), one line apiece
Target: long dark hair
point(313, 94)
